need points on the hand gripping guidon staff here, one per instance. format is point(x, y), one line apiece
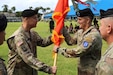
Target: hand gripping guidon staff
point(59, 14)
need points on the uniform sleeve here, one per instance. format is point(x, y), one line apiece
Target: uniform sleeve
point(69, 40)
point(43, 42)
point(25, 53)
point(86, 45)
point(69, 53)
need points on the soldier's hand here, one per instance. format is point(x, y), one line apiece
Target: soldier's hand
point(55, 49)
point(54, 69)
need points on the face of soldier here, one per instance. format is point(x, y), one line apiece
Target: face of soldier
point(32, 21)
point(82, 22)
point(2, 37)
point(103, 29)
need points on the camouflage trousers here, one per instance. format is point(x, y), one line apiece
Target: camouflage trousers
point(3, 70)
point(80, 72)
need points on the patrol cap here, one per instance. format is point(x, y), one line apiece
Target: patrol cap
point(107, 13)
point(85, 12)
point(28, 13)
point(3, 22)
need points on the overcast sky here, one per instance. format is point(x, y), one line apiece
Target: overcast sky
point(24, 4)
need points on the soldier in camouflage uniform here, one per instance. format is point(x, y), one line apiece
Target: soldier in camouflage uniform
point(3, 25)
point(22, 58)
point(105, 65)
point(88, 42)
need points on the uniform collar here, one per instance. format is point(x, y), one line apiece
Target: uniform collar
point(26, 33)
point(89, 29)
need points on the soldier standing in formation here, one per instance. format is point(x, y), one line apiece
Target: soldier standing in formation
point(3, 25)
point(22, 58)
point(89, 43)
point(105, 65)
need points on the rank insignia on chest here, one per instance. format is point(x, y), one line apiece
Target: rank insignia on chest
point(85, 44)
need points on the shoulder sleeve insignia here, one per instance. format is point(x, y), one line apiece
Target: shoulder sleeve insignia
point(85, 44)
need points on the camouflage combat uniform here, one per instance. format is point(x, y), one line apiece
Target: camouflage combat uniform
point(22, 54)
point(105, 65)
point(3, 70)
point(88, 48)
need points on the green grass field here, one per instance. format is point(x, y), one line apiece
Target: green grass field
point(65, 66)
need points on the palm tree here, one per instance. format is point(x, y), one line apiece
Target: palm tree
point(48, 8)
point(18, 13)
point(44, 10)
point(9, 11)
point(30, 7)
point(38, 8)
point(5, 8)
point(13, 9)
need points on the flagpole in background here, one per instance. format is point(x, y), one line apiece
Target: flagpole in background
point(59, 15)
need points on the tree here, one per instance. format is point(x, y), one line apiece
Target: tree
point(10, 11)
point(48, 8)
point(38, 8)
point(30, 7)
point(45, 9)
point(13, 9)
point(18, 14)
point(5, 8)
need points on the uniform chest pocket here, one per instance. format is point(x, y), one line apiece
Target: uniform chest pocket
point(109, 59)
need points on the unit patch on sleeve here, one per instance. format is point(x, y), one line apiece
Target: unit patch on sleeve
point(85, 44)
